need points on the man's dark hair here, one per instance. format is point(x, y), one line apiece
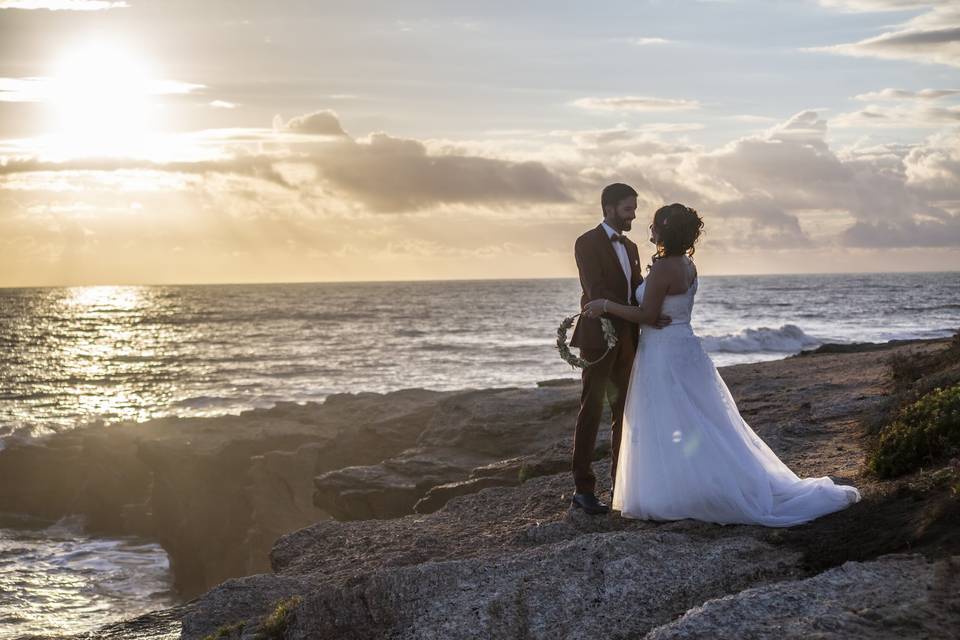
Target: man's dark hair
point(613, 193)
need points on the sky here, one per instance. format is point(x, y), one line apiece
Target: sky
point(169, 141)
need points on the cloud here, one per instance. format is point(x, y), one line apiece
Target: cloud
point(397, 174)
point(380, 172)
point(806, 126)
point(47, 89)
point(259, 167)
point(891, 196)
point(927, 233)
point(322, 123)
point(636, 103)
point(928, 46)
point(901, 108)
point(856, 6)
point(902, 94)
point(645, 42)
point(933, 168)
point(63, 5)
point(932, 37)
point(785, 188)
point(788, 167)
point(900, 117)
point(222, 104)
point(768, 225)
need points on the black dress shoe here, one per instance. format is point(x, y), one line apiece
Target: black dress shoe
point(589, 503)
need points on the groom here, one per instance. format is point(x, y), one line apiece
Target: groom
point(609, 266)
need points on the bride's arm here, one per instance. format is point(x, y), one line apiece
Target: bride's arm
point(647, 313)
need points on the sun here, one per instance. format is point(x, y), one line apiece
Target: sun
point(102, 100)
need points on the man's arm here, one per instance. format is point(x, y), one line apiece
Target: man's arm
point(591, 275)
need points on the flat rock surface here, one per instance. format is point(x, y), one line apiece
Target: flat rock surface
point(894, 597)
point(591, 585)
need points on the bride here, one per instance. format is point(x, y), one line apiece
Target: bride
point(686, 452)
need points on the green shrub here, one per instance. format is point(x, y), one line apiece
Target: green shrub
point(922, 433)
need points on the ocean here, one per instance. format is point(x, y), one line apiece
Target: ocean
point(81, 354)
point(71, 355)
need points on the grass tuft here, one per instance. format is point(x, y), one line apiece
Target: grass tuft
point(226, 632)
point(274, 627)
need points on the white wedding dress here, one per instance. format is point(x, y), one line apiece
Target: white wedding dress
point(687, 453)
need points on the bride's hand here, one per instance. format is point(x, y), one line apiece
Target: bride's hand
point(594, 308)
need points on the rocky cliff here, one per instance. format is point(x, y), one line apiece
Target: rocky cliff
point(215, 492)
point(451, 520)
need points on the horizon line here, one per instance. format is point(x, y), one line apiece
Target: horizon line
point(436, 280)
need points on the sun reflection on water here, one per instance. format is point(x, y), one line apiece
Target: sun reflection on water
point(104, 350)
point(108, 297)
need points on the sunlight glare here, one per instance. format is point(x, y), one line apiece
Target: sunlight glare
point(101, 101)
point(96, 298)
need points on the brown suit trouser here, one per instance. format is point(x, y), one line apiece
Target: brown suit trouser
point(608, 378)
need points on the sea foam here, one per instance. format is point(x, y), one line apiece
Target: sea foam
point(789, 338)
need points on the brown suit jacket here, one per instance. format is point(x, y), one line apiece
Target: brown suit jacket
point(601, 276)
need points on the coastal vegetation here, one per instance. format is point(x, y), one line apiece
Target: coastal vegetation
point(924, 433)
point(274, 627)
point(919, 428)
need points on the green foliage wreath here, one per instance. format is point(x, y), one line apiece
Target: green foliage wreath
point(609, 334)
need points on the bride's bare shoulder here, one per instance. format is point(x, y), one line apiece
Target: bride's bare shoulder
point(668, 266)
point(674, 271)
point(661, 269)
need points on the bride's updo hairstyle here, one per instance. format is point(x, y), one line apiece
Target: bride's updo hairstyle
point(678, 228)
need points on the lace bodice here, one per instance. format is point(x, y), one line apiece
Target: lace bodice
point(678, 306)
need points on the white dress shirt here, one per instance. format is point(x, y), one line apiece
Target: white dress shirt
point(621, 252)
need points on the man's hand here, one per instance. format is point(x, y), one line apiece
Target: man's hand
point(663, 321)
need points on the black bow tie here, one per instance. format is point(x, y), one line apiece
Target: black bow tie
point(618, 238)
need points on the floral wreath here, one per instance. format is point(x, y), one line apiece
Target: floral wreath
point(609, 334)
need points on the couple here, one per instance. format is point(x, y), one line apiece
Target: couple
point(679, 447)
